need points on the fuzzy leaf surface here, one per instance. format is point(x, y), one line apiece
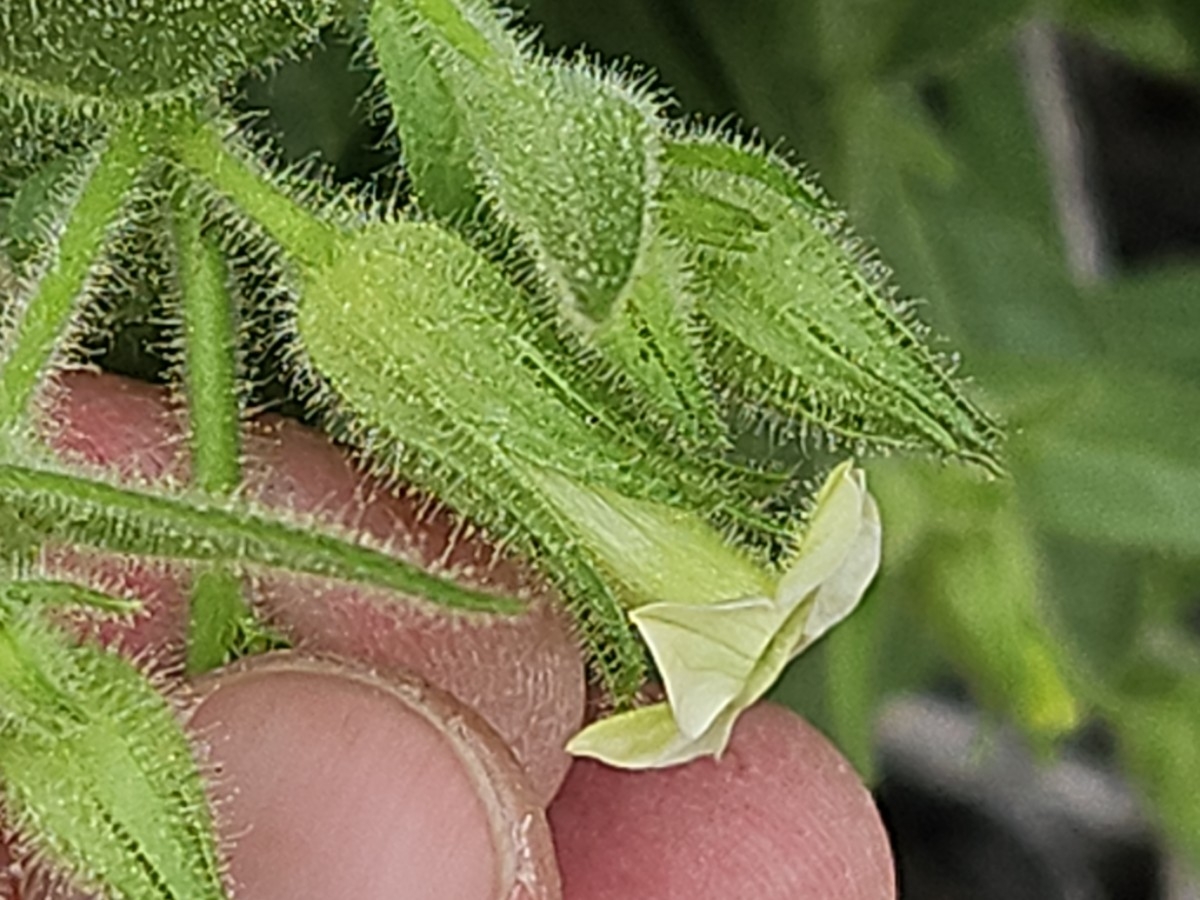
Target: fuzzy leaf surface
point(97, 772)
point(94, 513)
point(803, 315)
point(122, 50)
point(568, 156)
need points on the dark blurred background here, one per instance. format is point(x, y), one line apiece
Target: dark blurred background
point(1022, 685)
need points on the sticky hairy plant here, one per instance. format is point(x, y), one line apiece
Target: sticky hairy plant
point(562, 337)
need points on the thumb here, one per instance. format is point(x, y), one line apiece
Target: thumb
point(332, 783)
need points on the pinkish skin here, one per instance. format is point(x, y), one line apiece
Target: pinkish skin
point(338, 783)
point(393, 788)
point(523, 674)
point(782, 815)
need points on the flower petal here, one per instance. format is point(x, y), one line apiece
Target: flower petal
point(648, 738)
point(831, 535)
point(846, 533)
point(716, 659)
point(705, 653)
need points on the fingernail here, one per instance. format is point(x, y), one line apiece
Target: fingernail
point(331, 782)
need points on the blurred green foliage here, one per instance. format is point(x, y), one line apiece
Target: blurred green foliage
point(1064, 591)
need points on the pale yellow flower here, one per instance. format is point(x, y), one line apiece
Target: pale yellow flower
point(717, 658)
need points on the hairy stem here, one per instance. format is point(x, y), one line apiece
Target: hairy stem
point(217, 607)
point(306, 238)
point(124, 520)
point(210, 360)
point(48, 310)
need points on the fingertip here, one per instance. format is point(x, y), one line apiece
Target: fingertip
point(781, 815)
point(524, 674)
point(119, 424)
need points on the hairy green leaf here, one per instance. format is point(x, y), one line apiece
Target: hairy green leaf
point(133, 50)
point(43, 315)
point(97, 772)
point(804, 317)
point(97, 514)
point(568, 156)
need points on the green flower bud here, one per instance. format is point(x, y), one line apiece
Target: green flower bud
point(450, 375)
point(568, 157)
point(803, 316)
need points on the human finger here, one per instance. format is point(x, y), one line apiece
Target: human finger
point(523, 674)
point(780, 815)
point(331, 782)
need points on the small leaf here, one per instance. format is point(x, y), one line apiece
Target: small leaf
point(568, 157)
point(97, 773)
point(565, 153)
point(437, 146)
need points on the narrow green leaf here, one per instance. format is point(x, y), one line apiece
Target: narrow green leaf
point(52, 593)
point(97, 514)
point(201, 147)
point(438, 151)
point(45, 313)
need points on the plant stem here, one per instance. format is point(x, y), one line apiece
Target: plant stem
point(216, 611)
point(307, 240)
point(210, 367)
point(124, 520)
point(49, 308)
point(217, 608)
